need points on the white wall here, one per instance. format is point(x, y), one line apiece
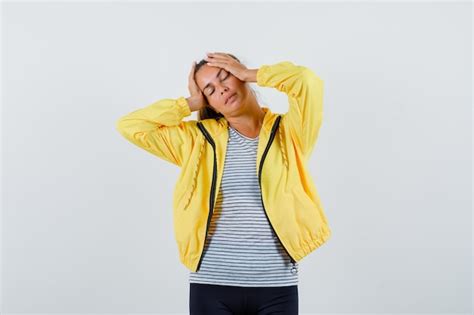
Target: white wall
point(87, 217)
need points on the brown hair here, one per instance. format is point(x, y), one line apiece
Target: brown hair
point(207, 111)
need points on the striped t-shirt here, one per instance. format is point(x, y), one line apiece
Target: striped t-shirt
point(241, 248)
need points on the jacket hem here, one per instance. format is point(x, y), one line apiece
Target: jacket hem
point(308, 247)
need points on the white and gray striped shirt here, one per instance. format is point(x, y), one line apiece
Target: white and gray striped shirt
point(241, 248)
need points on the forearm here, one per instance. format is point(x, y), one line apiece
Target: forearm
point(194, 103)
point(251, 75)
point(165, 112)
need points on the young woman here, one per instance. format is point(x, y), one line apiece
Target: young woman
point(245, 207)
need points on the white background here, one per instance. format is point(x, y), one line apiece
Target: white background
point(87, 216)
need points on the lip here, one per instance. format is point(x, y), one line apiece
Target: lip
point(227, 100)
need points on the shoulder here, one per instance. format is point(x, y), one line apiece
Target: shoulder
point(214, 126)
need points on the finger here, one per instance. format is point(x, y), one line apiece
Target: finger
point(218, 57)
point(221, 54)
point(216, 63)
point(191, 73)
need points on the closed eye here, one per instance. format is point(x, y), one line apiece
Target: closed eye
point(228, 74)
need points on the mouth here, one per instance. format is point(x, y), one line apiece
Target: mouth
point(230, 97)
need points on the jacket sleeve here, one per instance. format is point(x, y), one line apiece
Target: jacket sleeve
point(160, 130)
point(305, 96)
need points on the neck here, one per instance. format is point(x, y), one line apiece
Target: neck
point(249, 121)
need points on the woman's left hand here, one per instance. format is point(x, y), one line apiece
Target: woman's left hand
point(223, 60)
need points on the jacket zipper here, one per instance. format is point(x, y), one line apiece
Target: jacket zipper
point(214, 179)
point(211, 197)
point(272, 136)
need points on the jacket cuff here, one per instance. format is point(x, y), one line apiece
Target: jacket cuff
point(262, 75)
point(183, 107)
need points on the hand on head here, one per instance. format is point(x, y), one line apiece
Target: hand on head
point(197, 97)
point(223, 60)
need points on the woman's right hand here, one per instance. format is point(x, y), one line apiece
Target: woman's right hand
point(196, 100)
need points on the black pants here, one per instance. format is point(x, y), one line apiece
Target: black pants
point(210, 299)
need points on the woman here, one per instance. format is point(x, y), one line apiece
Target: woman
point(245, 207)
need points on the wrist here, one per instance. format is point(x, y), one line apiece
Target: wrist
point(193, 103)
point(251, 75)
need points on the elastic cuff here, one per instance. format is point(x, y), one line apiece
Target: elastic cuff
point(262, 74)
point(183, 106)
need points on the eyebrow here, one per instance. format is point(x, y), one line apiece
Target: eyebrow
point(217, 75)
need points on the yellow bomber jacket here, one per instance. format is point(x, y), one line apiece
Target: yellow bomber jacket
point(289, 196)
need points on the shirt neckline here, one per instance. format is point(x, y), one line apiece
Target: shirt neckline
point(243, 136)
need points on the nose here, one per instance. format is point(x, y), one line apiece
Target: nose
point(224, 90)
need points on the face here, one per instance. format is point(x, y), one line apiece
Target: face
point(217, 85)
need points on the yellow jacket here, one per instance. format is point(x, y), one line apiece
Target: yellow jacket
point(289, 196)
